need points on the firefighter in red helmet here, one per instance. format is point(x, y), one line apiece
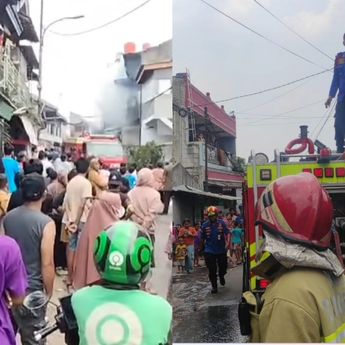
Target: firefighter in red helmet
point(215, 237)
point(305, 301)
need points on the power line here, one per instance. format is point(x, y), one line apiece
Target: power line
point(264, 90)
point(292, 30)
point(287, 112)
point(326, 120)
point(284, 118)
point(260, 35)
point(159, 95)
point(103, 25)
point(273, 99)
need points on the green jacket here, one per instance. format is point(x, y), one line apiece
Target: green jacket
point(130, 317)
point(302, 305)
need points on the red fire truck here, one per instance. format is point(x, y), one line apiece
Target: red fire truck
point(107, 148)
point(329, 168)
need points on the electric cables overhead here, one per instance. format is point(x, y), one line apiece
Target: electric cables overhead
point(264, 90)
point(274, 98)
point(327, 114)
point(285, 112)
point(260, 35)
point(96, 28)
point(292, 30)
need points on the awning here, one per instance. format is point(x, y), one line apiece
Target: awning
point(29, 129)
point(187, 189)
point(225, 184)
point(6, 111)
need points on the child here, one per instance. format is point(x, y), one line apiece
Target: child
point(237, 241)
point(180, 254)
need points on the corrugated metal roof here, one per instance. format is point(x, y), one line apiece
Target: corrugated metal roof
point(187, 189)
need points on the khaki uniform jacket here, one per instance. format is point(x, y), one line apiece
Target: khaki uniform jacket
point(302, 306)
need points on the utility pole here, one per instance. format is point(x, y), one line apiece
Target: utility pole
point(39, 87)
point(140, 111)
point(206, 152)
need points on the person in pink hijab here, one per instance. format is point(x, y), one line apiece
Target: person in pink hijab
point(145, 201)
point(106, 210)
point(158, 174)
point(145, 204)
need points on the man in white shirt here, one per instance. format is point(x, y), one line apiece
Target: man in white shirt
point(42, 156)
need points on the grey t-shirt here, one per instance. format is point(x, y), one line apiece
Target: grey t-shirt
point(26, 227)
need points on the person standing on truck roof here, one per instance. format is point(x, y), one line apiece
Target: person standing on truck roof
point(304, 302)
point(338, 85)
point(215, 235)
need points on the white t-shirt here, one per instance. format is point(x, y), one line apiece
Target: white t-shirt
point(46, 164)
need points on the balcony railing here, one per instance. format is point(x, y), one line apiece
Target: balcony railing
point(13, 83)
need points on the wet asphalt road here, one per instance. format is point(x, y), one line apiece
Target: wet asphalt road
point(199, 316)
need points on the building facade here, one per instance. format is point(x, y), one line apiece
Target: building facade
point(199, 123)
point(18, 66)
point(155, 94)
point(139, 108)
point(55, 127)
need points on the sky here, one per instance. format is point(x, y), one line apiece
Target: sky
point(227, 60)
point(75, 67)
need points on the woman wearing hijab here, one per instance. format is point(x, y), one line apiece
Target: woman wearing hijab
point(106, 210)
point(145, 204)
point(97, 180)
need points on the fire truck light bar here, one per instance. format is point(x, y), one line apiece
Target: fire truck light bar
point(340, 172)
point(318, 172)
point(329, 172)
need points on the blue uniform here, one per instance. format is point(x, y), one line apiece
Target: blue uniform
point(338, 82)
point(214, 235)
point(338, 85)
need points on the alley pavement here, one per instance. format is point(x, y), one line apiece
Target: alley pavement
point(201, 317)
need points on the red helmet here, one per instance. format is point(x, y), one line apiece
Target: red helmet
point(298, 209)
point(212, 211)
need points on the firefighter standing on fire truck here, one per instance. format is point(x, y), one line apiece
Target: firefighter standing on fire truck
point(305, 301)
point(338, 83)
point(215, 235)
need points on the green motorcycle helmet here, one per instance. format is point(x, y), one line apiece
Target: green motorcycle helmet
point(123, 254)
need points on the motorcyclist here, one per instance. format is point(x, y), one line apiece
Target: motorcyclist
point(304, 302)
point(114, 310)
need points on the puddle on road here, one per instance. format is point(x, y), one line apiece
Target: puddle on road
point(215, 324)
point(200, 317)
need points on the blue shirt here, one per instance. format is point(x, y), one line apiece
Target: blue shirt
point(338, 82)
point(236, 235)
point(132, 181)
point(214, 235)
point(12, 168)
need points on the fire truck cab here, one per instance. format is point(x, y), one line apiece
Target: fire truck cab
point(106, 147)
point(329, 168)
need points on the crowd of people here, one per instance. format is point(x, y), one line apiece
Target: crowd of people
point(52, 212)
point(190, 243)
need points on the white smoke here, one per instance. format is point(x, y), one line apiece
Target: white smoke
point(117, 105)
